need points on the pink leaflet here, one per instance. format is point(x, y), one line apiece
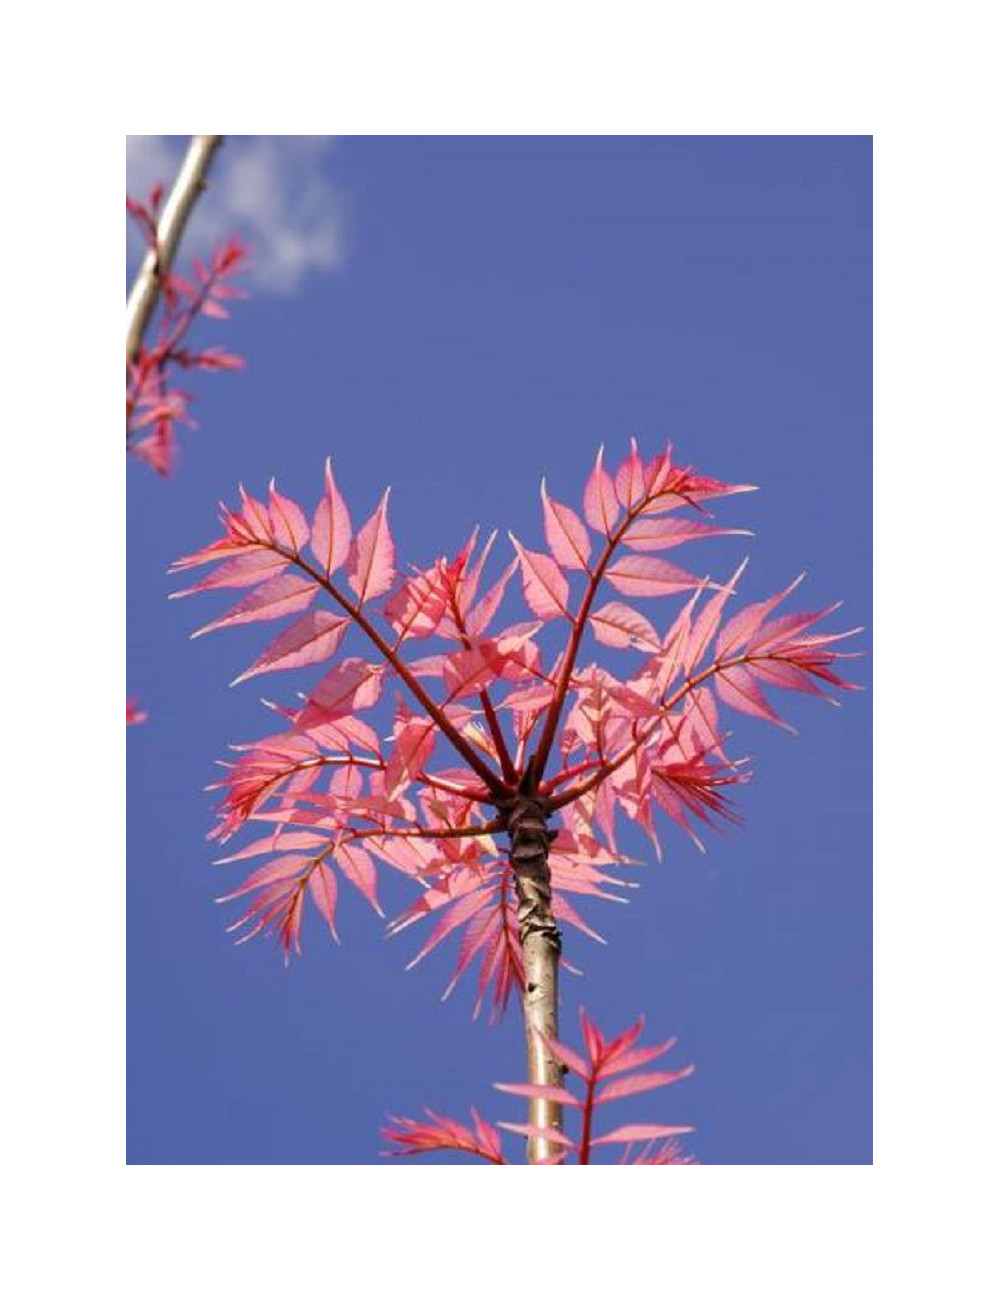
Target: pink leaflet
point(310, 640)
point(545, 587)
point(323, 891)
point(568, 1057)
point(641, 575)
point(288, 523)
point(543, 1090)
point(463, 899)
point(339, 693)
point(331, 528)
point(256, 518)
point(630, 481)
point(738, 631)
point(271, 843)
point(286, 594)
point(244, 570)
point(533, 1131)
point(790, 677)
point(282, 868)
point(660, 534)
point(706, 623)
point(565, 533)
point(600, 505)
point(371, 564)
point(618, 625)
point(412, 748)
point(642, 1133)
point(466, 672)
point(736, 687)
point(479, 618)
point(636, 1083)
point(417, 607)
point(359, 869)
point(469, 578)
point(787, 630)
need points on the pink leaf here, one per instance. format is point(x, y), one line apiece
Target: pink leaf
point(600, 506)
point(466, 672)
point(310, 640)
point(640, 575)
point(280, 869)
point(323, 891)
point(737, 688)
point(242, 571)
point(371, 565)
point(337, 694)
point(481, 615)
point(636, 1083)
point(636, 1057)
point(542, 1090)
point(413, 746)
point(274, 598)
point(331, 529)
point(568, 1057)
point(738, 631)
point(359, 869)
point(545, 587)
point(630, 483)
point(288, 523)
point(660, 534)
point(617, 625)
point(533, 1131)
point(418, 606)
point(565, 533)
point(643, 1132)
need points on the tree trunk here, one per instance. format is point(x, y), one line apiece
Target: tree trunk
point(529, 857)
point(157, 262)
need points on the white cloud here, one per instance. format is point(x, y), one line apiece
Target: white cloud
point(272, 189)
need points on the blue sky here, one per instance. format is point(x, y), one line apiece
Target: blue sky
point(458, 317)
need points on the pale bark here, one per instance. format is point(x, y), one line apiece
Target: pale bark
point(157, 262)
point(530, 837)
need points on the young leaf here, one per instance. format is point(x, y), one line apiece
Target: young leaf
point(331, 529)
point(288, 523)
point(545, 587)
point(286, 594)
point(338, 694)
point(641, 575)
point(371, 564)
point(565, 533)
point(310, 640)
point(600, 505)
point(661, 534)
point(617, 625)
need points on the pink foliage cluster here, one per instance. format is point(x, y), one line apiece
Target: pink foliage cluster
point(153, 405)
point(608, 1070)
point(481, 710)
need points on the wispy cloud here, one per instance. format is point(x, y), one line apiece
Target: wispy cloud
point(272, 189)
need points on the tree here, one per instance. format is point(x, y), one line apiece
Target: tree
point(153, 405)
point(530, 735)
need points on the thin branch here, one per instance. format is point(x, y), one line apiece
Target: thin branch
point(573, 648)
point(158, 260)
point(492, 721)
point(487, 775)
point(613, 764)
